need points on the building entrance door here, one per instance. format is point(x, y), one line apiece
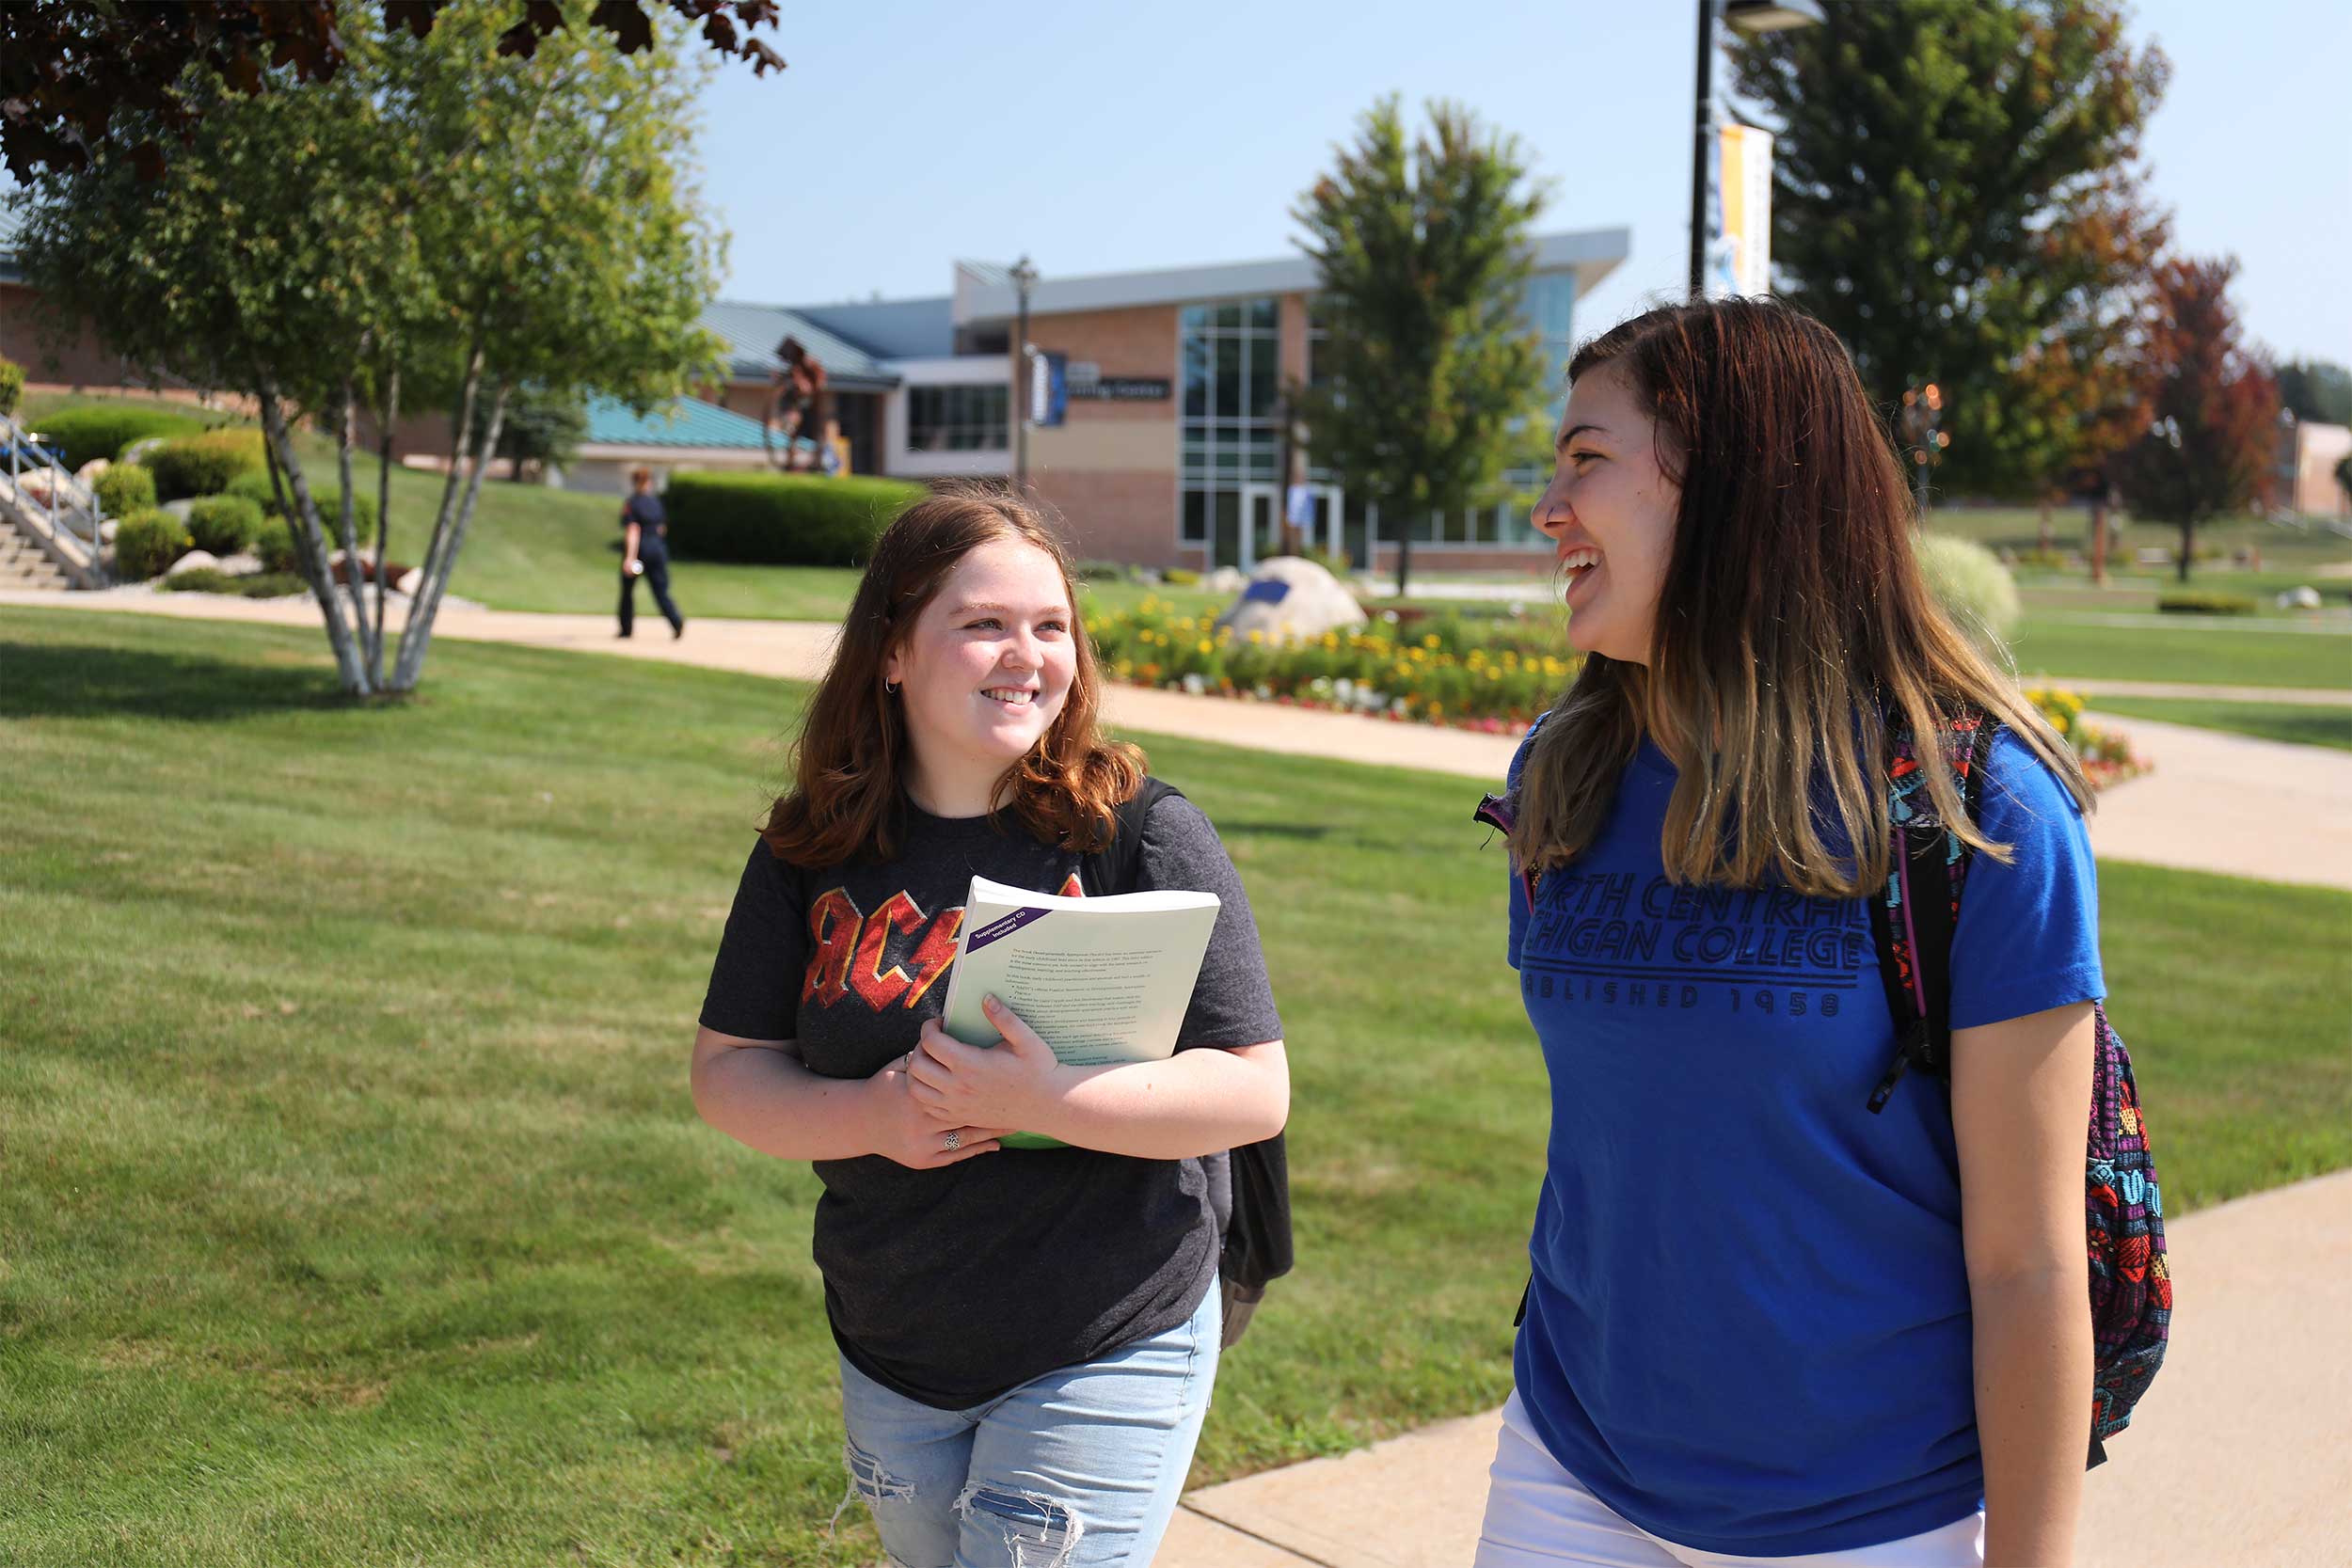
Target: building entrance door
point(1261, 524)
point(1259, 535)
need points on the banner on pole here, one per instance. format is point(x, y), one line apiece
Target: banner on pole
point(1739, 254)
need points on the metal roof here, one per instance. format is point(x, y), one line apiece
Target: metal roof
point(687, 422)
point(752, 332)
point(890, 328)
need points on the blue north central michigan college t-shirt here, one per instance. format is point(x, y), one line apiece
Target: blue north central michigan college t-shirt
point(1748, 1329)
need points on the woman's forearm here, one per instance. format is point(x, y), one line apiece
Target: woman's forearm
point(1196, 1103)
point(2033, 1358)
point(765, 1099)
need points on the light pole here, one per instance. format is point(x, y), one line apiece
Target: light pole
point(1024, 278)
point(1747, 16)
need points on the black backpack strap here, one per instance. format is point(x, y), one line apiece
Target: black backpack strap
point(1116, 867)
point(1249, 1187)
point(1914, 921)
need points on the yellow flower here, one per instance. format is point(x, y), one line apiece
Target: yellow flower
point(1256, 638)
point(1206, 646)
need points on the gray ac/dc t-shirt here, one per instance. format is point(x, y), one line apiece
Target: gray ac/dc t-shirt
point(954, 1286)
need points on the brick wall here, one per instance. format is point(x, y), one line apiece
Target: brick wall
point(29, 335)
point(1111, 469)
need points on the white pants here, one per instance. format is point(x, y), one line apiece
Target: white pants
point(1539, 1516)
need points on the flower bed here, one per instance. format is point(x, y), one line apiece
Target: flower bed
point(2106, 755)
point(1494, 676)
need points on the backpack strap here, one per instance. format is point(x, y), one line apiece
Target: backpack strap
point(1913, 923)
point(1116, 867)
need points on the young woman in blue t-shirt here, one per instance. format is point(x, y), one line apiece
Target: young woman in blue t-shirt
point(1766, 1323)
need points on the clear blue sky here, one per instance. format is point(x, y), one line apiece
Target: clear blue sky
point(1101, 138)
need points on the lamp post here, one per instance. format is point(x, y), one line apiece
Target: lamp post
point(1024, 278)
point(1747, 16)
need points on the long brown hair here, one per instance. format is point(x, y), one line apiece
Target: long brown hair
point(1793, 625)
point(849, 761)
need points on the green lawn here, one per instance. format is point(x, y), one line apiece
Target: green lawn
point(360, 1215)
point(2302, 725)
point(2203, 651)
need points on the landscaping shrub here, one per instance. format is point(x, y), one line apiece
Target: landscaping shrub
point(204, 465)
point(1098, 571)
point(2205, 601)
point(201, 580)
point(781, 519)
point(223, 524)
point(271, 585)
point(146, 542)
point(124, 489)
point(256, 487)
point(273, 545)
point(11, 384)
point(1180, 576)
point(1972, 585)
point(79, 435)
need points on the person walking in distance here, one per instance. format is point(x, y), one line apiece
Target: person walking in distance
point(645, 529)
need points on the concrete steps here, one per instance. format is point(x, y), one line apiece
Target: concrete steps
point(25, 564)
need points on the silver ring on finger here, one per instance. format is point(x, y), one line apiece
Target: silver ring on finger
point(955, 1139)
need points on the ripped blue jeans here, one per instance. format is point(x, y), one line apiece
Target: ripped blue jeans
point(1080, 1469)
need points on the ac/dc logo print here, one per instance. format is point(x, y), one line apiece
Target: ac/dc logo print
point(887, 959)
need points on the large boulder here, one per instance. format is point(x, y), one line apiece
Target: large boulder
point(2305, 597)
point(1290, 600)
point(1225, 580)
point(193, 561)
point(87, 473)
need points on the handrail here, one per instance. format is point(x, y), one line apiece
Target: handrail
point(69, 504)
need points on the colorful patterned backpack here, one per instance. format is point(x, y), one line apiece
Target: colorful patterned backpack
point(2131, 1284)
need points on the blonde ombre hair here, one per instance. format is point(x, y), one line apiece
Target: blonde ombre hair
point(1794, 627)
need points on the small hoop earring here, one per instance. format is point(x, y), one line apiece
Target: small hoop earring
point(890, 689)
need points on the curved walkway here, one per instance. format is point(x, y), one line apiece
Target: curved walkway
point(2215, 802)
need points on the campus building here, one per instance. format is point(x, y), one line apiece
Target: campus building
point(1171, 449)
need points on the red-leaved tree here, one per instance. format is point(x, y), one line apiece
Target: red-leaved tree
point(2213, 407)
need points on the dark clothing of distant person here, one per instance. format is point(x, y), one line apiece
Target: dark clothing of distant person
point(645, 511)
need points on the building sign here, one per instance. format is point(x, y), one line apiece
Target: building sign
point(1089, 384)
point(1049, 389)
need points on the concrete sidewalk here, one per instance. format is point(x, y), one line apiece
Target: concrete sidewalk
point(2240, 1456)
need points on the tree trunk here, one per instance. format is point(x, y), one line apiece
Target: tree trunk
point(460, 440)
point(2099, 542)
point(302, 518)
point(2189, 549)
point(347, 525)
point(427, 603)
point(1404, 550)
point(390, 416)
point(2048, 544)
